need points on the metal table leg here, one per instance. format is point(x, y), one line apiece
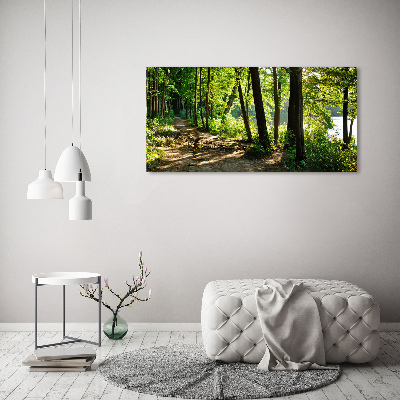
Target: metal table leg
point(73, 339)
point(100, 297)
point(63, 311)
point(36, 286)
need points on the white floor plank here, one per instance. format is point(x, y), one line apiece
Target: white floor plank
point(298, 396)
point(348, 389)
point(149, 340)
point(129, 395)
point(333, 392)
point(57, 392)
point(79, 386)
point(96, 389)
point(163, 338)
point(10, 384)
point(376, 380)
point(135, 341)
point(362, 384)
point(183, 338)
point(43, 387)
point(189, 337)
point(317, 394)
point(387, 376)
point(143, 396)
point(111, 392)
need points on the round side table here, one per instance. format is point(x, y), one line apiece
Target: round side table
point(66, 278)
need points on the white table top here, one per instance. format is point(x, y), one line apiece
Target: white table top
point(65, 278)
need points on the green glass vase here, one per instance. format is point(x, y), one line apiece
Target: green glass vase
point(115, 327)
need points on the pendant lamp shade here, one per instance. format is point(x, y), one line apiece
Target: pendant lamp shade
point(44, 187)
point(80, 206)
point(71, 162)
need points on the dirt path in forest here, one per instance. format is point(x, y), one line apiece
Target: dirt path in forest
point(193, 150)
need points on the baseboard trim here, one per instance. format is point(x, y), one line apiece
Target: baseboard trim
point(92, 327)
point(390, 327)
point(138, 327)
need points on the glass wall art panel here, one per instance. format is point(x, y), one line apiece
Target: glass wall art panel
point(251, 119)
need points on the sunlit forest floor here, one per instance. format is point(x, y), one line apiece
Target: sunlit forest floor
point(192, 150)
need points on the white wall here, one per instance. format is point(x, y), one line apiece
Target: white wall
point(195, 227)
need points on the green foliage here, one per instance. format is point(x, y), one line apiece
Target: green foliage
point(229, 127)
point(158, 132)
point(154, 157)
point(267, 84)
point(255, 151)
point(323, 87)
point(282, 131)
point(323, 152)
point(326, 154)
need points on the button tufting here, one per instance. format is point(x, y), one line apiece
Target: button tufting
point(331, 296)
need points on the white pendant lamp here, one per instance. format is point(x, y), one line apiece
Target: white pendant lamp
point(44, 186)
point(72, 161)
point(72, 165)
point(80, 206)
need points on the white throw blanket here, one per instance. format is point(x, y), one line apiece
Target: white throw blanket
point(291, 327)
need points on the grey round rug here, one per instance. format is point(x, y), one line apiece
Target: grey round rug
point(185, 371)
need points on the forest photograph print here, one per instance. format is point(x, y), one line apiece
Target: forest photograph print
point(251, 119)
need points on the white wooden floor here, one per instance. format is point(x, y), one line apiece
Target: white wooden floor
point(379, 379)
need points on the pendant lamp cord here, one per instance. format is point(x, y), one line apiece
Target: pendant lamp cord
point(79, 88)
point(44, 83)
point(72, 68)
point(79, 84)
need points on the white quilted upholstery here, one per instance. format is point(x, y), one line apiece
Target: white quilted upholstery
point(231, 330)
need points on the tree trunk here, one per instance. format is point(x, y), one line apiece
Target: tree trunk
point(277, 101)
point(208, 97)
point(296, 98)
point(153, 103)
point(211, 101)
point(163, 105)
point(148, 93)
point(351, 130)
point(230, 101)
point(345, 114)
point(290, 134)
point(195, 100)
point(201, 104)
point(259, 107)
point(247, 94)
point(156, 93)
point(163, 98)
point(244, 114)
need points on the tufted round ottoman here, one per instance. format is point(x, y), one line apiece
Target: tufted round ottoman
point(231, 330)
